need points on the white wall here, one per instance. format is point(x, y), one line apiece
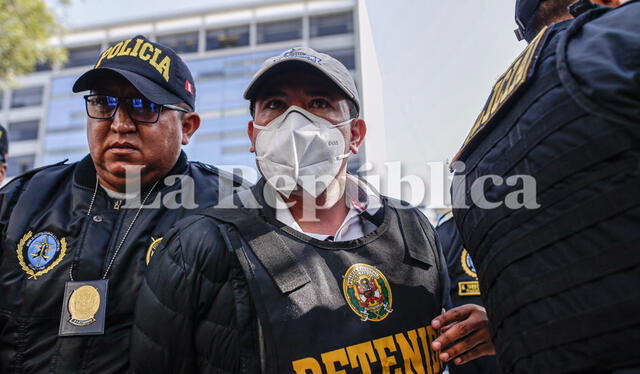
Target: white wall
point(427, 68)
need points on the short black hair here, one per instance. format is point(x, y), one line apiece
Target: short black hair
point(548, 13)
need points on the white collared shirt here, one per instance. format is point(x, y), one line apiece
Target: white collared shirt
point(361, 198)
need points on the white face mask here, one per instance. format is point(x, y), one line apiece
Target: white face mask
point(297, 148)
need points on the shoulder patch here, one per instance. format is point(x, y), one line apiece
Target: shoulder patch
point(39, 253)
point(507, 85)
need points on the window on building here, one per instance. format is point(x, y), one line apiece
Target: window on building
point(43, 66)
point(82, 56)
point(19, 164)
point(347, 56)
point(279, 31)
point(181, 43)
point(332, 24)
point(228, 37)
point(23, 130)
point(29, 96)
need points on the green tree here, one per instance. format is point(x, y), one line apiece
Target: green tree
point(26, 27)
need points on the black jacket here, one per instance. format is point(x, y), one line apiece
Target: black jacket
point(556, 252)
point(197, 291)
point(51, 203)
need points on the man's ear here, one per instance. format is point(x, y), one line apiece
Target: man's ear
point(358, 132)
point(190, 123)
point(251, 132)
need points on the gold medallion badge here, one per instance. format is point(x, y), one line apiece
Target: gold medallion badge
point(84, 303)
point(152, 248)
point(367, 292)
point(39, 253)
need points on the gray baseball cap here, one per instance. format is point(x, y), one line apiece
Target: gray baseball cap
point(303, 56)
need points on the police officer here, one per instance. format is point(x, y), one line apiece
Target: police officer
point(465, 289)
point(315, 272)
point(4, 153)
point(545, 196)
point(76, 239)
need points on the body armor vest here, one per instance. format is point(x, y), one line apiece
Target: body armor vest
point(359, 306)
point(559, 273)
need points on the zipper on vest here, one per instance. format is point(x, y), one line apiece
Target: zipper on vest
point(116, 204)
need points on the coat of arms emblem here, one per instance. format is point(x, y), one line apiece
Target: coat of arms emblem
point(367, 292)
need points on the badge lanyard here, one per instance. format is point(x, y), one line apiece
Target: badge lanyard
point(85, 302)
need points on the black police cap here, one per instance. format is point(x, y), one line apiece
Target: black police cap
point(525, 9)
point(152, 68)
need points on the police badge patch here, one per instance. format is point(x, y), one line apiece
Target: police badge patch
point(467, 264)
point(471, 288)
point(39, 253)
point(367, 292)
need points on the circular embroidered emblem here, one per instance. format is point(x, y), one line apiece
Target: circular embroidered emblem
point(367, 292)
point(83, 305)
point(467, 264)
point(152, 248)
point(39, 253)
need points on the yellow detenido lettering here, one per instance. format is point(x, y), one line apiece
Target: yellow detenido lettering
point(307, 365)
point(406, 352)
point(382, 346)
point(330, 359)
point(410, 352)
point(361, 355)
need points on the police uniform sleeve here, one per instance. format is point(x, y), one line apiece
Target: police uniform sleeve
point(185, 304)
point(444, 277)
point(9, 194)
point(601, 63)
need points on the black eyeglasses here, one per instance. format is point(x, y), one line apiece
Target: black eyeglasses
point(139, 109)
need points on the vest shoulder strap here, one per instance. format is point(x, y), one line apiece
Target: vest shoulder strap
point(266, 244)
point(419, 237)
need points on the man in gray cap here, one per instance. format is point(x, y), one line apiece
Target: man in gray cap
point(313, 271)
point(74, 239)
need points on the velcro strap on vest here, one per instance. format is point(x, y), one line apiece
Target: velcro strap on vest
point(586, 214)
point(591, 153)
point(419, 240)
point(596, 321)
point(267, 245)
point(612, 260)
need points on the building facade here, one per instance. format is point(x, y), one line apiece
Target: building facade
point(223, 48)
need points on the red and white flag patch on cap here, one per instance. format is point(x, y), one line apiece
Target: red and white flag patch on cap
point(188, 86)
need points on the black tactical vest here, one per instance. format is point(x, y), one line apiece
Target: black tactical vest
point(560, 277)
point(359, 306)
